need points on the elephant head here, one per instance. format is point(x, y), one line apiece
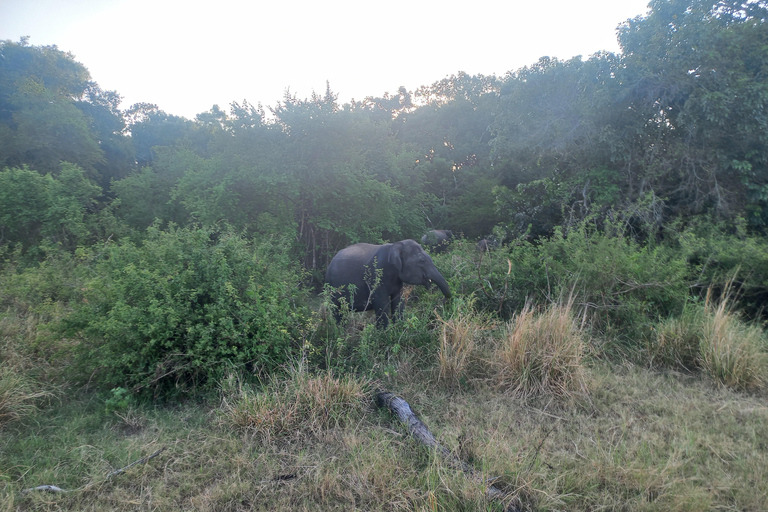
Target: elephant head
point(486, 245)
point(415, 266)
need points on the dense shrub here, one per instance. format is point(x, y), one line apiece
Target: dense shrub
point(721, 254)
point(184, 306)
point(617, 283)
point(36, 207)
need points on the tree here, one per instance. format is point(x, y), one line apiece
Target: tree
point(55, 208)
point(40, 122)
point(695, 72)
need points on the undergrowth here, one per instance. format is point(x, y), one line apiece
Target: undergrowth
point(712, 337)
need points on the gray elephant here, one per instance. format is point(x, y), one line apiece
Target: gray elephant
point(377, 273)
point(437, 240)
point(487, 244)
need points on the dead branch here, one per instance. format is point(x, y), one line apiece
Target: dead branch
point(140, 461)
point(421, 433)
point(51, 488)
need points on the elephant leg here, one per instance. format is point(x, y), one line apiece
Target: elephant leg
point(397, 306)
point(381, 307)
point(382, 319)
point(336, 306)
point(337, 314)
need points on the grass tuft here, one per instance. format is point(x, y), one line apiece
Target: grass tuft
point(301, 404)
point(676, 340)
point(541, 353)
point(713, 338)
point(459, 336)
point(731, 351)
point(17, 396)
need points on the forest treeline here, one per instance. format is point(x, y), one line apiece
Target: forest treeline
point(673, 128)
point(662, 146)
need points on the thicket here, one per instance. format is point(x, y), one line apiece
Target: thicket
point(161, 250)
point(183, 307)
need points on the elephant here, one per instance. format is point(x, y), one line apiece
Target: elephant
point(377, 273)
point(487, 244)
point(437, 240)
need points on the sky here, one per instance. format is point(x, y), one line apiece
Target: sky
point(185, 56)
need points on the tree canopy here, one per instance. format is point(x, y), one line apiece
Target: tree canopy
point(672, 129)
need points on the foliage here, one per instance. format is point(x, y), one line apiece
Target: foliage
point(723, 253)
point(618, 285)
point(177, 309)
point(51, 111)
point(54, 209)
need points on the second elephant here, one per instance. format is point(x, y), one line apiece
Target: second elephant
point(437, 240)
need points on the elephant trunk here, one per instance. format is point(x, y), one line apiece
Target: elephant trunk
point(438, 279)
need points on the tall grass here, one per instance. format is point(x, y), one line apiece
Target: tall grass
point(730, 351)
point(19, 388)
point(18, 395)
point(459, 339)
point(713, 338)
point(541, 353)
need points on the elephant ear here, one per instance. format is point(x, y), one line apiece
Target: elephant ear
point(394, 257)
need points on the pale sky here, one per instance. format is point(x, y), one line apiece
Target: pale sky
point(185, 56)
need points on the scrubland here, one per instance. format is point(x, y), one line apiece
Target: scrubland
point(553, 411)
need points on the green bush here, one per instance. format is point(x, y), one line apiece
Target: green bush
point(36, 207)
point(617, 284)
point(722, 254)
point(42, 287)
point(184, 306)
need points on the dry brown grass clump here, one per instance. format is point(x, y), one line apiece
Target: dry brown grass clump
point(459, 345)
point(17, 396)
point(541, 352)
point(713, 338)
point(731, 351)
point(302, 403)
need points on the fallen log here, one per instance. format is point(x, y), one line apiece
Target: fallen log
point(419, 431)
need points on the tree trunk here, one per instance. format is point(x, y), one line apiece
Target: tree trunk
point(421, 433)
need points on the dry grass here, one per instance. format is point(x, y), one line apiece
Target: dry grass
point(304, 403)
point(459, 343)
point(541, 353)
point(19, 392)
point(644, 441)
point(732, 352)
point(713, 338)
point(18, 396)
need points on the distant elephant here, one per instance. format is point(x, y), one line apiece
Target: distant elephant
point(378, 273)
point(437, 240)
point(486, 245)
